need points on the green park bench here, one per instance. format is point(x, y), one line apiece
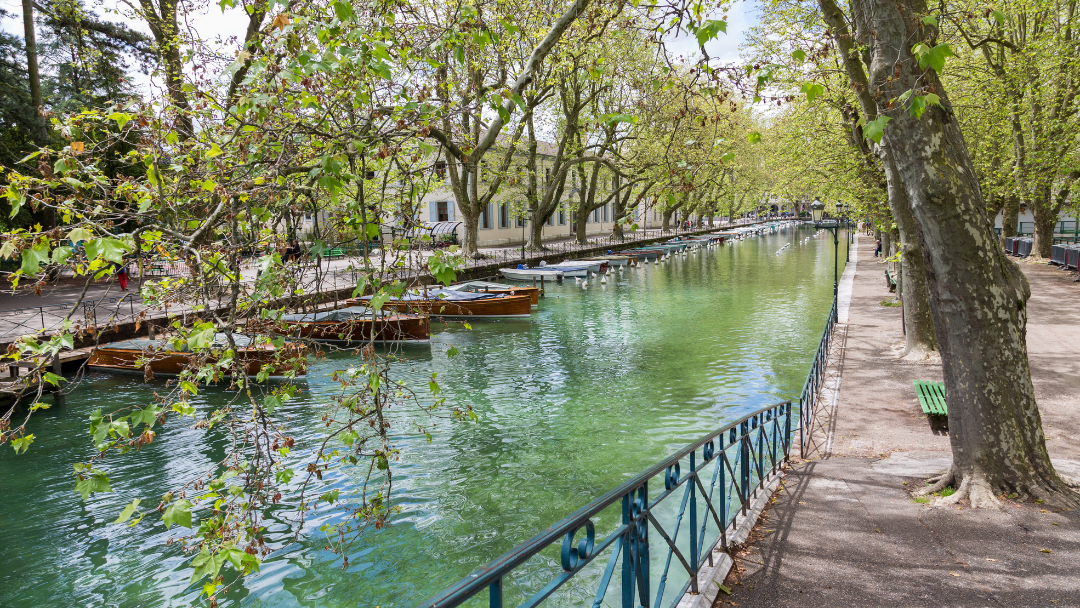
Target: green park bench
point(890, 280)
point(931, 397)
point(335, 253)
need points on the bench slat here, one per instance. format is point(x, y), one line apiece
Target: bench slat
point(931, 397)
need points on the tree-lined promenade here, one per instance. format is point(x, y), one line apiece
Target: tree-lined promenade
point(340, 120)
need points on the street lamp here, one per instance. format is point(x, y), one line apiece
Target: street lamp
point(817, 208)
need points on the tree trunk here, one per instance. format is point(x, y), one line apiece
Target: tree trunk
point(32, 73)
point(579, 226)
point(470, 223)
point(978, 297)
point(667, 219)
point(536, 230)
point(1046, 218)
point(919, 338)
point(1010, 215)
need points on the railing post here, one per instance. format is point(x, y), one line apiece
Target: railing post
point(628, 551)
point(495, 594)
point(744, 468)
point(693, 521)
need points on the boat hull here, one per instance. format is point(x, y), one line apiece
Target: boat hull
point(171, 363)
point(506, 306)
point(532, 274)
point(532, 292)
point(392, 328)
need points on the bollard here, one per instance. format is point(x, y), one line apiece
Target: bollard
point(541, 286)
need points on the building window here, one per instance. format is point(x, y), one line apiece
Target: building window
point(440, 169)
point(605, 212)
point(485, 217)
point(551, 220)
point(520, 223)
point(547, 177)
point(443, 211)
point(562, 217)
point(504, 216)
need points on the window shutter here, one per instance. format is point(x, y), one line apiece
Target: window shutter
point(450, 210)
point(434, 211)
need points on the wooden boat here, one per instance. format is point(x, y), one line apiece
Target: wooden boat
point(450, 304)
point(357, 325)
point(165, 359)
point(487, 287)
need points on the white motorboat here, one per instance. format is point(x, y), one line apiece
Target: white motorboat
point(573, 265)
point(524, 273)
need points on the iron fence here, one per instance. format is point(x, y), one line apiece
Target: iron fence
point(687, 506)
point(605, 546)
point(808, 399)
point(44, 319)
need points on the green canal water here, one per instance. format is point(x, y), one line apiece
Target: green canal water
point(599, 384)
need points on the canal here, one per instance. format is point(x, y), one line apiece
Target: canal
point(599, 384)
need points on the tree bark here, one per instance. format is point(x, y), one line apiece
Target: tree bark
point(978, 296)
point(1046, 218)
point(1010, 215)
point(30, 41)
point(919, 337)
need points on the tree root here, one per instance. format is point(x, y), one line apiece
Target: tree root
point(1069, 481)
point(938, 482)
point(974, 488)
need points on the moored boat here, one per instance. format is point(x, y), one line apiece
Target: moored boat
point(611, 260)
point(357, 325)
point(452, 304)
point(573, 268)
point(165, 358)
point(524, 273)
point(489, 287)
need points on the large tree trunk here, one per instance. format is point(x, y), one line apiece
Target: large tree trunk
point(1010, 215)
point(978, 297)
point(667, 219)
point(471, 223)
point(30, 42)
point(1046, 218)
point(536, 230)
point(919, 338)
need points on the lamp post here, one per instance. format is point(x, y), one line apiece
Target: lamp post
point(817, 209)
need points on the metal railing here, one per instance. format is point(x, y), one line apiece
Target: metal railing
point(808, 399)
point(688, 518)
point(686, 505)
point(44, 319)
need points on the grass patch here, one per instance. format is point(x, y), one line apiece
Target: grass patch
point(891, 303)
point(921, 499)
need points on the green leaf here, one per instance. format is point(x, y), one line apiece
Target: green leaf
point(754, 137)
point(32, 258)
point(271, 403)
point(53, 379)
point(285, 475)
point(201, 338)
point(80, 234)
point(120, 118)
point(727, 157)
point(874, 129)
point(108, 248)
point(146, 416)
point(709, 31)
point(378, 300)
point(94, 481)
point(22, 443)
point(372, 231)
point(812, 90)
point(343, 10)
point(207, 564)
point(128, 511)
point(933, 58)
point(999, 17)
point(178, 513)
point(214, 151)
point(329, 497)
point(798, 55)
point(929, 20)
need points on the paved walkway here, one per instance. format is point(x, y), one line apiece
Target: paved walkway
point(845, 531)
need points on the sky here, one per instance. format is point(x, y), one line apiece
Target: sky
point(214, 24)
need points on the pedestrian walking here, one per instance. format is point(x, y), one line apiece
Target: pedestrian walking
point(122, 275)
